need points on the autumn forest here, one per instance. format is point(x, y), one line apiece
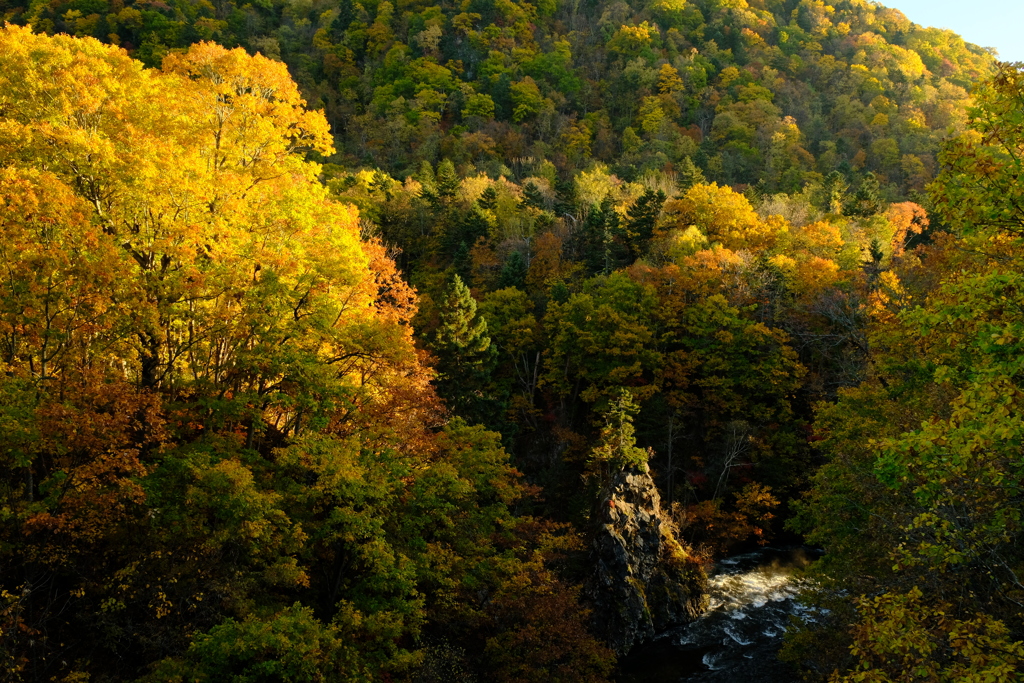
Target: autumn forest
point(456, 341)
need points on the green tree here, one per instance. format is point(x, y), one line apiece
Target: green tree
point(532, 195)
point(616, 447)
point(689, 174)
point(603, 339)
point(513, 273)
point(865, 202)
point(832, 194)
point(641, 218)
point(464, 352)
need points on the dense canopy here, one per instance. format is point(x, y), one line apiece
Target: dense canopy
point(325, 326)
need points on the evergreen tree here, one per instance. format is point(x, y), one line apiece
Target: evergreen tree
point(346, 13)
point(833, 193)
point(702, 160)
point(532, 195)
point(425, 176)
point(462, 263)
point(465, 355)
point(689, 175)
point(488, 198)
point(616, 245)
point(641, 219)
point(772, 288)
point(617, 447)
point(383, 184)
point(755, 193)
point(598, 235)
point(513, 273)
point(565, 196)
point(464, 228)
point(447, 180)
point(866, 200)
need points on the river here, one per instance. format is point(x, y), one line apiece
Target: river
point(752, 599)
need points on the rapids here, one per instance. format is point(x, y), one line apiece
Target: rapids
point(752, 599)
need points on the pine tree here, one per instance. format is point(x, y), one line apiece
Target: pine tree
point(689, 175)
point(617, 448)
point(866, 201)
point(382, 183)
point(346, 13)
point(447, 180)
point(565, 197)
point(513, 273)
point(596, 241)
point(641, 219)
point(425, 176)
point(833, 192)
point(532, 195)
point(464, 228)
point(488, 198)
point(462, 263)
point(465, 355)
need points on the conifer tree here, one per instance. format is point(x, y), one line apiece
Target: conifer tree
point(833, 192)
point(488, 199)
point(513, 273)
point(425, 176)
point(447, 180)
point(462, 262)
point(464, 227)
point(532, 195)
point(346, 13)
point(465, 355)
point(617, 447)
point(641, 219)
point(866, 200)
point(689, 175)
point(599, 231)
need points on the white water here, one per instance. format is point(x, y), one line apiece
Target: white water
point(736, 586)
point(752, 600)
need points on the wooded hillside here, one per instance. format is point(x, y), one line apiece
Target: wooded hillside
point(326, 325)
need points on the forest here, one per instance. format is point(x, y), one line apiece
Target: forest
point(430, 341)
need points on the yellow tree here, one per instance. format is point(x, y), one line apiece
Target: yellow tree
point(722, 215)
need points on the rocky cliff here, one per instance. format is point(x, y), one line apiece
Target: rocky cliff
point(644, 581)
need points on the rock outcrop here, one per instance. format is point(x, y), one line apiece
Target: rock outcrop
point(643, 580)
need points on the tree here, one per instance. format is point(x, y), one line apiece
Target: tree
point(464, 352)
point(833, 193)
point(527, 100)
point(642, 217)
point(689, 175)
point(721, 214)
point(865, 201)
point(940, 468)
point(616, 448)
point(513, 273)
point(532, 195)
point(602, 339)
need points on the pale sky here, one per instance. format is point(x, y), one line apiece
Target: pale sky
point(989, 23)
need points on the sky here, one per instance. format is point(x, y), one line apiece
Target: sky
point(989, 23)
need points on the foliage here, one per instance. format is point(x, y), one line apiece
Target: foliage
point(225, 457)
point(241, 336)
point(924, 457)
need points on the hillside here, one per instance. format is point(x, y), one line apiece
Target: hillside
point(332, 331)
point(766, 93)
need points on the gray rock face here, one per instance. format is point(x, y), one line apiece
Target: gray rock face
point(644, 581)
